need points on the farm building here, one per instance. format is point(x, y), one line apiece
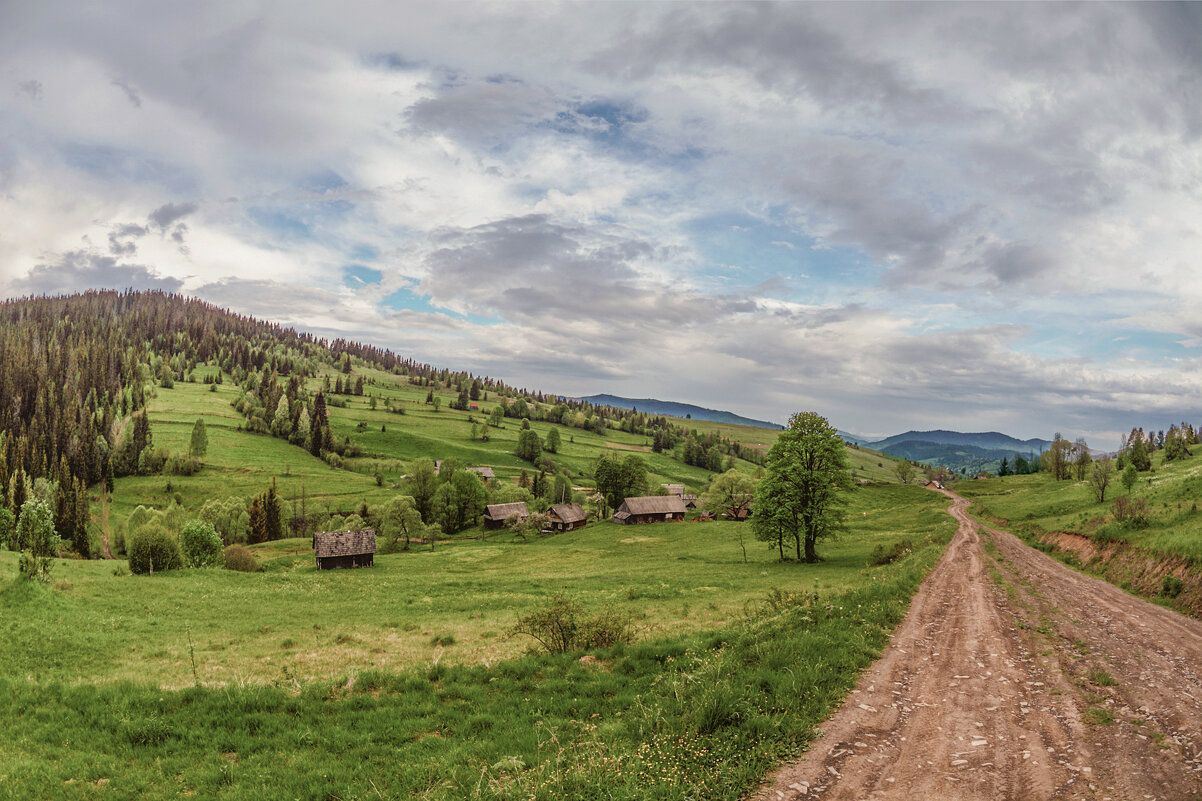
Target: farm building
point(345, 548)
point(690, 500)
point(495, 514)
point(674, 489)
point(650, 509)
point(566, 517)
point(486, 474)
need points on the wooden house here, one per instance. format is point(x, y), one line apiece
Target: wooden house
point(650, 509)
point(674, 489)
point(566, 517)
point(690, 500)
point(486, 474)
point(495, 514)
point(345, 548)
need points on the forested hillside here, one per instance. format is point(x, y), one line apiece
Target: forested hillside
point(77, 374)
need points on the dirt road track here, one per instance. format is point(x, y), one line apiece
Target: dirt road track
point(998, 685)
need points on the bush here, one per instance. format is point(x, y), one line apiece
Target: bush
point(239, 557)
point(152, 549)
point(1171, 586)
point(200, 544)
point(561, 626)
point(183, 466)
point(885, 556)
point(1132, 512)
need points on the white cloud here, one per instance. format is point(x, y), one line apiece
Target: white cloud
point(1010, 174)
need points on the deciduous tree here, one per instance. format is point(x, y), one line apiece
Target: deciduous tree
point(801, 498)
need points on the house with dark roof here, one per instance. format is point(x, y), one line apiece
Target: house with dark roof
point(495, 514)
point(650, 509)
point(345, 548)
point(566, 517)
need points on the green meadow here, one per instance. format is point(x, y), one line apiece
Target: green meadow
point(1172, 491)
point(242, 464)
point(405, 680)
point(402, 681)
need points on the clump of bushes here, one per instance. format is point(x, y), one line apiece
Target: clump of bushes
point(200, 544)
point(882, 555)
point(562, 626)
point(239, 557)
point(1132, 512)
point(1171, 586)
point(152, 549)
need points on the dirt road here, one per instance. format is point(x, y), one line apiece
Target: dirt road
point(1014, 677)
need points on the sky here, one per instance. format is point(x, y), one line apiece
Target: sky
point(901, 216)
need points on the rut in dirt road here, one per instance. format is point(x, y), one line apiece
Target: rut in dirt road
point(1015, 677)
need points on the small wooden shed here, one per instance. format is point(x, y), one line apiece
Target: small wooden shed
point(650, 509)
point(486, 473)
point(495, 514)
point(566, 517)
point(345, 548)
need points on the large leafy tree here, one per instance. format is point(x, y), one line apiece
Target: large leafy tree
point(618, 479)
point(730, 494)
point(801, 499)
point(458, 503)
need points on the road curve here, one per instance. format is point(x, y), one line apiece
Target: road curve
point(1015, 677)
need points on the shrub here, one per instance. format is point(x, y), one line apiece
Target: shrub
point(152, 548)
point(239, 557)
point(882, 555)
point(1171, 586)
point(183, 466)
point(561, 626)
point(200, 544)
point(1132, 512)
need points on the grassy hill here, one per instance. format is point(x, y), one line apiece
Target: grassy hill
point(240, 463)
point(400, 681)
point(404, 680)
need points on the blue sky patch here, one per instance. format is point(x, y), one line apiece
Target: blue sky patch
point(356, 276)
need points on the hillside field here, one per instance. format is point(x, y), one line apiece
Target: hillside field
point(400, 681)
point(239, 463)
point(1037, 501)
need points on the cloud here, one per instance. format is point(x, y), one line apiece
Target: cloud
point(80, 270)
point(135, 99)
point(165, 215)
point(31, 89)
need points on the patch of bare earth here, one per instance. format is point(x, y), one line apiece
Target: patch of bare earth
point(1015, 677)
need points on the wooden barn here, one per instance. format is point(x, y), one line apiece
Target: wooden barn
point(650, 509)
point(566, 517)
point(486, 473)
point(345, 548)
point(495, 514)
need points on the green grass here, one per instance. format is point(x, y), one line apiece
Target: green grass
point(702, 706)
point(1172, 490)
point(673, 577)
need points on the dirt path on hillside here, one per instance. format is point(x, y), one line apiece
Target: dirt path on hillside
point(1014, 677)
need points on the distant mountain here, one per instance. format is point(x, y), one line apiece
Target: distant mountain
point(673, 409)
point(989, 440)
point(966, 453)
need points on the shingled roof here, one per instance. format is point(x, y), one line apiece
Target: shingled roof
point(344, 543)
point(502, 511)
point(654, 505)
point(568, 512)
